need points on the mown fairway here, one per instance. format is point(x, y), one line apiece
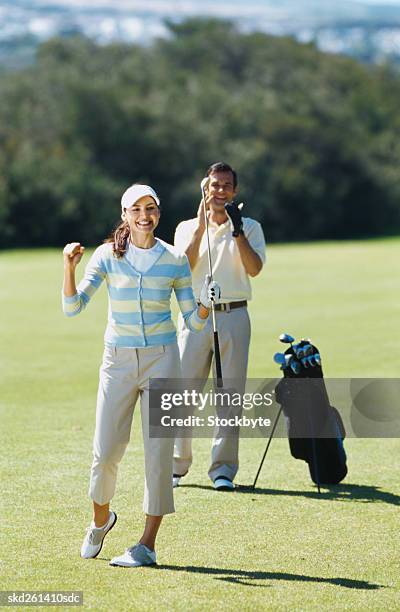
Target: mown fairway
point(282, 547)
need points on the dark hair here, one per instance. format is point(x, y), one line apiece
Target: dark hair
point(223, 167)
point(119, 237)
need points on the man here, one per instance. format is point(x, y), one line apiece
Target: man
point(237, 252)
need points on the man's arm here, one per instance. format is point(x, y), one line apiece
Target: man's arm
point(192, 249)
point(252, 255)
point(251, 261)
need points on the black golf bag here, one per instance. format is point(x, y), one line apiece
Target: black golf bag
point(315, 428)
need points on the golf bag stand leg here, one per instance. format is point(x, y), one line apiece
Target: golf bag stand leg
point(268, 445)
point(313, 449)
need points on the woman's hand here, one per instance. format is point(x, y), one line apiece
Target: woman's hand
point(73, 253)
point(210, 292)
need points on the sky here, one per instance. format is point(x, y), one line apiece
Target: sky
point(387, 2)
point(377, 1)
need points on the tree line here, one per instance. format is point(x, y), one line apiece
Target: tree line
point(314, 137)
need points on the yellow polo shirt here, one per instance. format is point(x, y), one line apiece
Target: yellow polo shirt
point(228, 269)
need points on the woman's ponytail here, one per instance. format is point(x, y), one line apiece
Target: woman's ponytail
point(119, 237)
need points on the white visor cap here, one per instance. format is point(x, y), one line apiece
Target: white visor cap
point(134, 193)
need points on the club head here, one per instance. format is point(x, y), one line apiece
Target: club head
point(295, 366)
point(286, 338)
point(308, 350)
point(317, 358)
point(279, 358)
point(298, 351)
point(304, 362)
point(311, 361)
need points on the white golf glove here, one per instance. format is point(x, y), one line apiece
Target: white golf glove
point(210, 292)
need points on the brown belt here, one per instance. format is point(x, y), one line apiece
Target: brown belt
point(229, 306)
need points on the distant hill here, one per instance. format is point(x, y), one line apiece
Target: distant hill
point(366, 31)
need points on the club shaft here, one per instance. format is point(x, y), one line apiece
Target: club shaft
point(203, 193)
point(217, 354)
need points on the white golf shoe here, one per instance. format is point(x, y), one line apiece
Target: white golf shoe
point(135, 556)
point(176, 478)
point(93, 542)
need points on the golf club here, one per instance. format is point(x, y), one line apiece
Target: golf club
point(217, 353)
point(299, 351)
point(286, 339)
point(295, 366)
point(288, 360)
point(280, 359)
point(308, 350)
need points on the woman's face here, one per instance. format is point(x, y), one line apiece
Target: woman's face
point(143, 217)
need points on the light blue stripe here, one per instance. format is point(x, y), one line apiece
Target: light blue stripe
point(71, 314)
point(127, 293)
point(132, 341)
point(150, 318)
point(84, 297)
point(169, 270)
point(96, 280)
point(119, 266)
point(184, 293)
point(72, 299)
point(156, 294)
point(195, 322)
point(135, 318)
point(103, 266)
point(158, 339)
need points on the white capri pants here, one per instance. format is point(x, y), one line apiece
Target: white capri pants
point(124, 375)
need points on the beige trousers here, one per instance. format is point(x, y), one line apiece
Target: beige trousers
point(124, 376)
point(196, 351)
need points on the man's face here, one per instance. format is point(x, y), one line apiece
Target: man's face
point(221, 188)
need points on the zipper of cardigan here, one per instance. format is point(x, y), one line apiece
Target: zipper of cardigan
point(141, 308)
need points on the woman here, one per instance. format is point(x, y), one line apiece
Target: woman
point(140, 343)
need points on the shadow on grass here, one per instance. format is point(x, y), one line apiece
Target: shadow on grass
point(236, 576)
point(340, 492)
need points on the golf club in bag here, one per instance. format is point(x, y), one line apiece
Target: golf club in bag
point(315, 428)
point(217, 354)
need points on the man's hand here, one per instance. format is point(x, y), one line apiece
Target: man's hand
point(200, 217)
point(234, 213)
point(200, 211)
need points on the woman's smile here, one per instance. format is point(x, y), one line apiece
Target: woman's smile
point(144, 224)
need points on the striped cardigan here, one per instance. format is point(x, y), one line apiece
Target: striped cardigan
point(139, 312)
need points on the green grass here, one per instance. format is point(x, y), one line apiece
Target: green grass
point(282, 547)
